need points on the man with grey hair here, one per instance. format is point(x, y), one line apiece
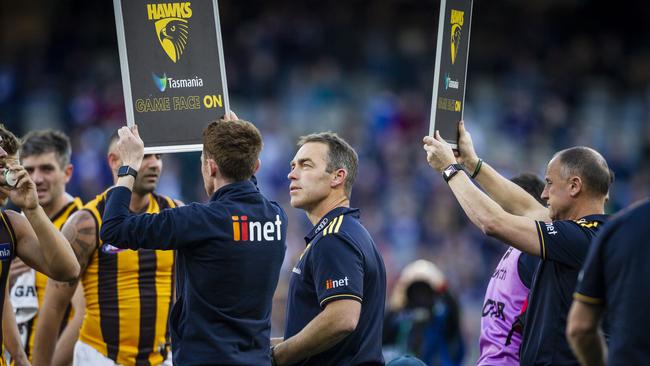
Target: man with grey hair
point(337, 291)
point(576, 189)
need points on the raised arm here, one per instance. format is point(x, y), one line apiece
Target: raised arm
point(39, 244)
point(512, 198)
point(81, 232)
point(170, 229)
point(518, 231)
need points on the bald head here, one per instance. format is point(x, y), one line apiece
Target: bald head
point(589, 165)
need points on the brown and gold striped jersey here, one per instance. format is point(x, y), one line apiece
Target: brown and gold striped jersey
point(128, 296)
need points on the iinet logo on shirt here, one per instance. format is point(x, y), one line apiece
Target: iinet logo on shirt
point(330, 284)
point(244, 230)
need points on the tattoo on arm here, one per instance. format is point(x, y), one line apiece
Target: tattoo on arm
point(81, 232)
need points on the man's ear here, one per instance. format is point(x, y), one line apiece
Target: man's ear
point(257, 166)
point(339, 178)
point(114, 161)
point(69, 169)
point(213, 168)
point(575, 186)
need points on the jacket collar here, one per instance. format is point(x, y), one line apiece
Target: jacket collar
point(243, 186)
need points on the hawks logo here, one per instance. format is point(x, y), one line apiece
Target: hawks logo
point(172, 26)
point(457, 20)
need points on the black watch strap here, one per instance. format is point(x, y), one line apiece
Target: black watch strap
point(450, 171)
point(125, 170)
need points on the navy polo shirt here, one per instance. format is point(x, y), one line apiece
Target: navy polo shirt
point(229, 253)
point(617, 275)
point(564, 245)
point(340, 262)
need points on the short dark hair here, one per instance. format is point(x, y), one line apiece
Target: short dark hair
point(47, 141)
point(235, 146)
point(532, 184)
point(10, 143)
point(589, 165)
point(340, 155)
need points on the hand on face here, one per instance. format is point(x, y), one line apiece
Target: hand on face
point(23, 193)
point(439, 152)
point(130, 146)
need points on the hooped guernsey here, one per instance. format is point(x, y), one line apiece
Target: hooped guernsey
point(128, 296)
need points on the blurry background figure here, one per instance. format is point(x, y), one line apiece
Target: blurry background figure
point(423, 319)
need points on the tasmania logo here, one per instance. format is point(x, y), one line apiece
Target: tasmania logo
point(330, 284)
point(5, 252)
point(245, 230)
point(172, 26)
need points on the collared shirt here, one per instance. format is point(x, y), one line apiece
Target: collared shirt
point(229, 254)
point(617, 275)
point(564, 245)
point(340, 262)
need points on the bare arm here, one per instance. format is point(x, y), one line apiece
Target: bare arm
point(65, 346)
point(512, 198)
point(582, 332)
point(332, 325)
point(80, 230)
point(487, 215)
point(10, 333)
point(41, 246)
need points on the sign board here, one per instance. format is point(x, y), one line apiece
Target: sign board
point(452, 51)
point(173, 72)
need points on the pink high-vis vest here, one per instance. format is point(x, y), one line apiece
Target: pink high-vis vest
point(504, 299)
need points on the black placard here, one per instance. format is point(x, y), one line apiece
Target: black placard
point(452, 51)
point(173, 73)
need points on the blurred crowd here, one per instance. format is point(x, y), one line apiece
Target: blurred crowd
point(543, 75)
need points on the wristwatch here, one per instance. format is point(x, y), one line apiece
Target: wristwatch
point(450, 171)
point(125, 170)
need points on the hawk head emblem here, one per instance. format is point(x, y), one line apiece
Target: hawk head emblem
point(172, 35)
point(456, 32)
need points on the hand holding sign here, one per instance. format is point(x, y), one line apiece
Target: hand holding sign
point(447, 104)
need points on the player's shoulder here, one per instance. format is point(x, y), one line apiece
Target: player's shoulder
point(165, 201)
point(13, 220)
point(99, 200)
point(83, 219)
point(344, 229)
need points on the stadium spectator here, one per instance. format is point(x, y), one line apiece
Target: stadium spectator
point(424, 317)
point(128, 293)
point(613, 285)
point(229, 251)
point(335, 305)
point(506, 297)
point(577, 184)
